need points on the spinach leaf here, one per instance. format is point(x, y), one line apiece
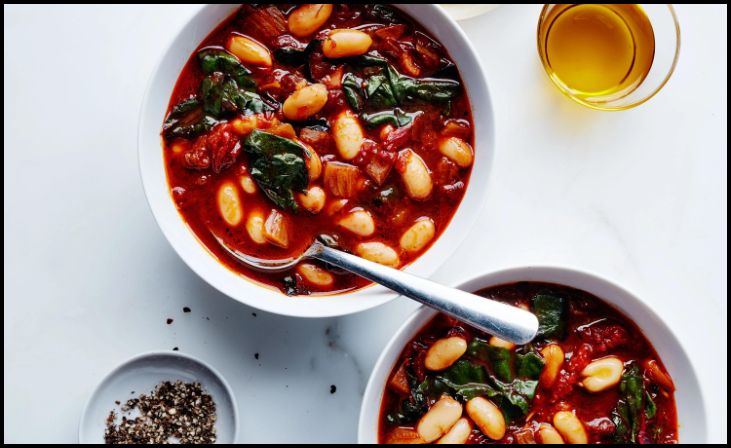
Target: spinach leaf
point(222, 96)
point(278, 167)
point(187, 119)
point(529, 365)
point(515, 397)
point(352, 90)
point(395, 117)
point(478, 348)
point(213, 60)
point(384, 13)
point(500, 359)
point(416, 405)
point(432, 89)
point(627, 415)
point(466, 380)
point(551, 312)
point(368, 60)
point(379, 92)
point(390, 88)
point(463, 372)
point(650, 406)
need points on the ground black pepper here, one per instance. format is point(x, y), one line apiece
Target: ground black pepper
point(173, 412)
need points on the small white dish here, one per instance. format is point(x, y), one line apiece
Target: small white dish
point(236, 286)
point(692, 423)
point(141, 374)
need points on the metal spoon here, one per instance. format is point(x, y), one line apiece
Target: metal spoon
point(504, 321)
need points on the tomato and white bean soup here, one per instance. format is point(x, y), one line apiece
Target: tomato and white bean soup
point(344, 122)
point(590, 376)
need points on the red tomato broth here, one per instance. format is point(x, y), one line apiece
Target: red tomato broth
point(585, 313)
point(194, 191)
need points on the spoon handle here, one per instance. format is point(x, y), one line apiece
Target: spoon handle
point(504, 321)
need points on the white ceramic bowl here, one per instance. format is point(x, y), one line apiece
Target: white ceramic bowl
point(201, 261)
point(689, 401)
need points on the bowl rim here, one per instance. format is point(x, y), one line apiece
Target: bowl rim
point(240, 288)
point(156, 353)
point(372, 397)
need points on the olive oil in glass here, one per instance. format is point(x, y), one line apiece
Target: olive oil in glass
point(596, 53)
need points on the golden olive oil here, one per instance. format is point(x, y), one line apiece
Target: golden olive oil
point(602, 52)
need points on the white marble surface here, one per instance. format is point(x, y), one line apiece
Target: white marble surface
point(638, 196)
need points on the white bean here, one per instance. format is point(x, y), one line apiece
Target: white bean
point(378, 252)
point(444, 352)
point(548, 435)
point(553, 356)
point(247, 184)
point(249, 51)
point(418, 235)
point(570, 427)
point(342, 43)
point(334, 206)
point(307, 19)
point(358, 221)
point(456, 150)
point(315, 275)
point(459, 433)
point(439, 419)
point(403, 436)
point(602, 374)
point(255, 227)
point(501, 343)
point(415, 175)
point(487, 417)
point(313, 162)
point(313, 200)
point(229, 203)
point(305, 102)
point(243, 125)
point(348, 135)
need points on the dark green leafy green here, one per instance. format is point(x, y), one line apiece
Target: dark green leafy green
point(352, 89)
point(514, 398)
point(384, 13)
point(478, 348)
point(379, 92)
point(214, 60)
point(628, 414)
point(500, 358)
point(529, 365)
point(395, 117)
point(650, 406)
point(466, 380)
point(551, 312)
point(412, 408)
point(222, 96)
point(290, 285)
point(389, 88)
point(187, 119)
point(277, 166)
